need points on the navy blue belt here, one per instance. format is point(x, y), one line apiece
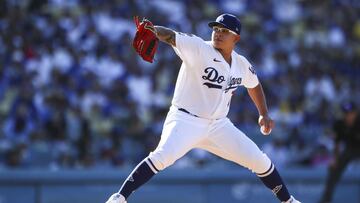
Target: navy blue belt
point(186, 111)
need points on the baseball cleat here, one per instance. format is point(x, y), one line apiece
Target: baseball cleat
point(116, 198)
point(292, 200)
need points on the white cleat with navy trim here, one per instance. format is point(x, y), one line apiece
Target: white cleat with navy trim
point(116, 198)
point(292, 200)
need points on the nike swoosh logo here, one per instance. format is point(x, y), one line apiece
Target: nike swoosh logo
point(216, 60)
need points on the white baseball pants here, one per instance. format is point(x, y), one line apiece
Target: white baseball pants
point(183, 132)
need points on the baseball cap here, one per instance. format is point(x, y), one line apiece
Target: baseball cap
point(229, 21)
point(348, 107)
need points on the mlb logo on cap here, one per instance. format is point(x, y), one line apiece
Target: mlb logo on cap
point(228, 21)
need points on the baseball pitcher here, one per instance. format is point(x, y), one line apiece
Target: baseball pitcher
point(210, 72)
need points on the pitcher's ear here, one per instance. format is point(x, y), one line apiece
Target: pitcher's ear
point(237, 38)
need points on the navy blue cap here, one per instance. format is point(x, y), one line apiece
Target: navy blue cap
point(348, 107)
point(228, 21)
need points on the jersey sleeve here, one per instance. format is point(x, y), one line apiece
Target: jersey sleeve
point(188, 46)
point(250, 78)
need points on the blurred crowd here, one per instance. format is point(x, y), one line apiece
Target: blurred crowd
point(74, 94)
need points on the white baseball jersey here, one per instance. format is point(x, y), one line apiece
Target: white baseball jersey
point(206, 82)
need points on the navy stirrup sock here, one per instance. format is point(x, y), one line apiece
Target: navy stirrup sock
point(142, 173)
point(273, 181)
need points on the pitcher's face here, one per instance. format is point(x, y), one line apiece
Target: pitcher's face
point(223, 38)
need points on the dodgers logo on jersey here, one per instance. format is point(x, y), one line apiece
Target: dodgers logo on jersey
point(233, 84)
point(213, 76)
point(252, 70)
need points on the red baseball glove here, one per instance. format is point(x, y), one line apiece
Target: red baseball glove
point(145, 41)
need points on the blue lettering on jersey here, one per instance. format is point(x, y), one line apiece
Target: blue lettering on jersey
point(233, 83)
point(213, 76)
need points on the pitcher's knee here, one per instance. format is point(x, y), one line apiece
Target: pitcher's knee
point(161, 160)
point(260, 164)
